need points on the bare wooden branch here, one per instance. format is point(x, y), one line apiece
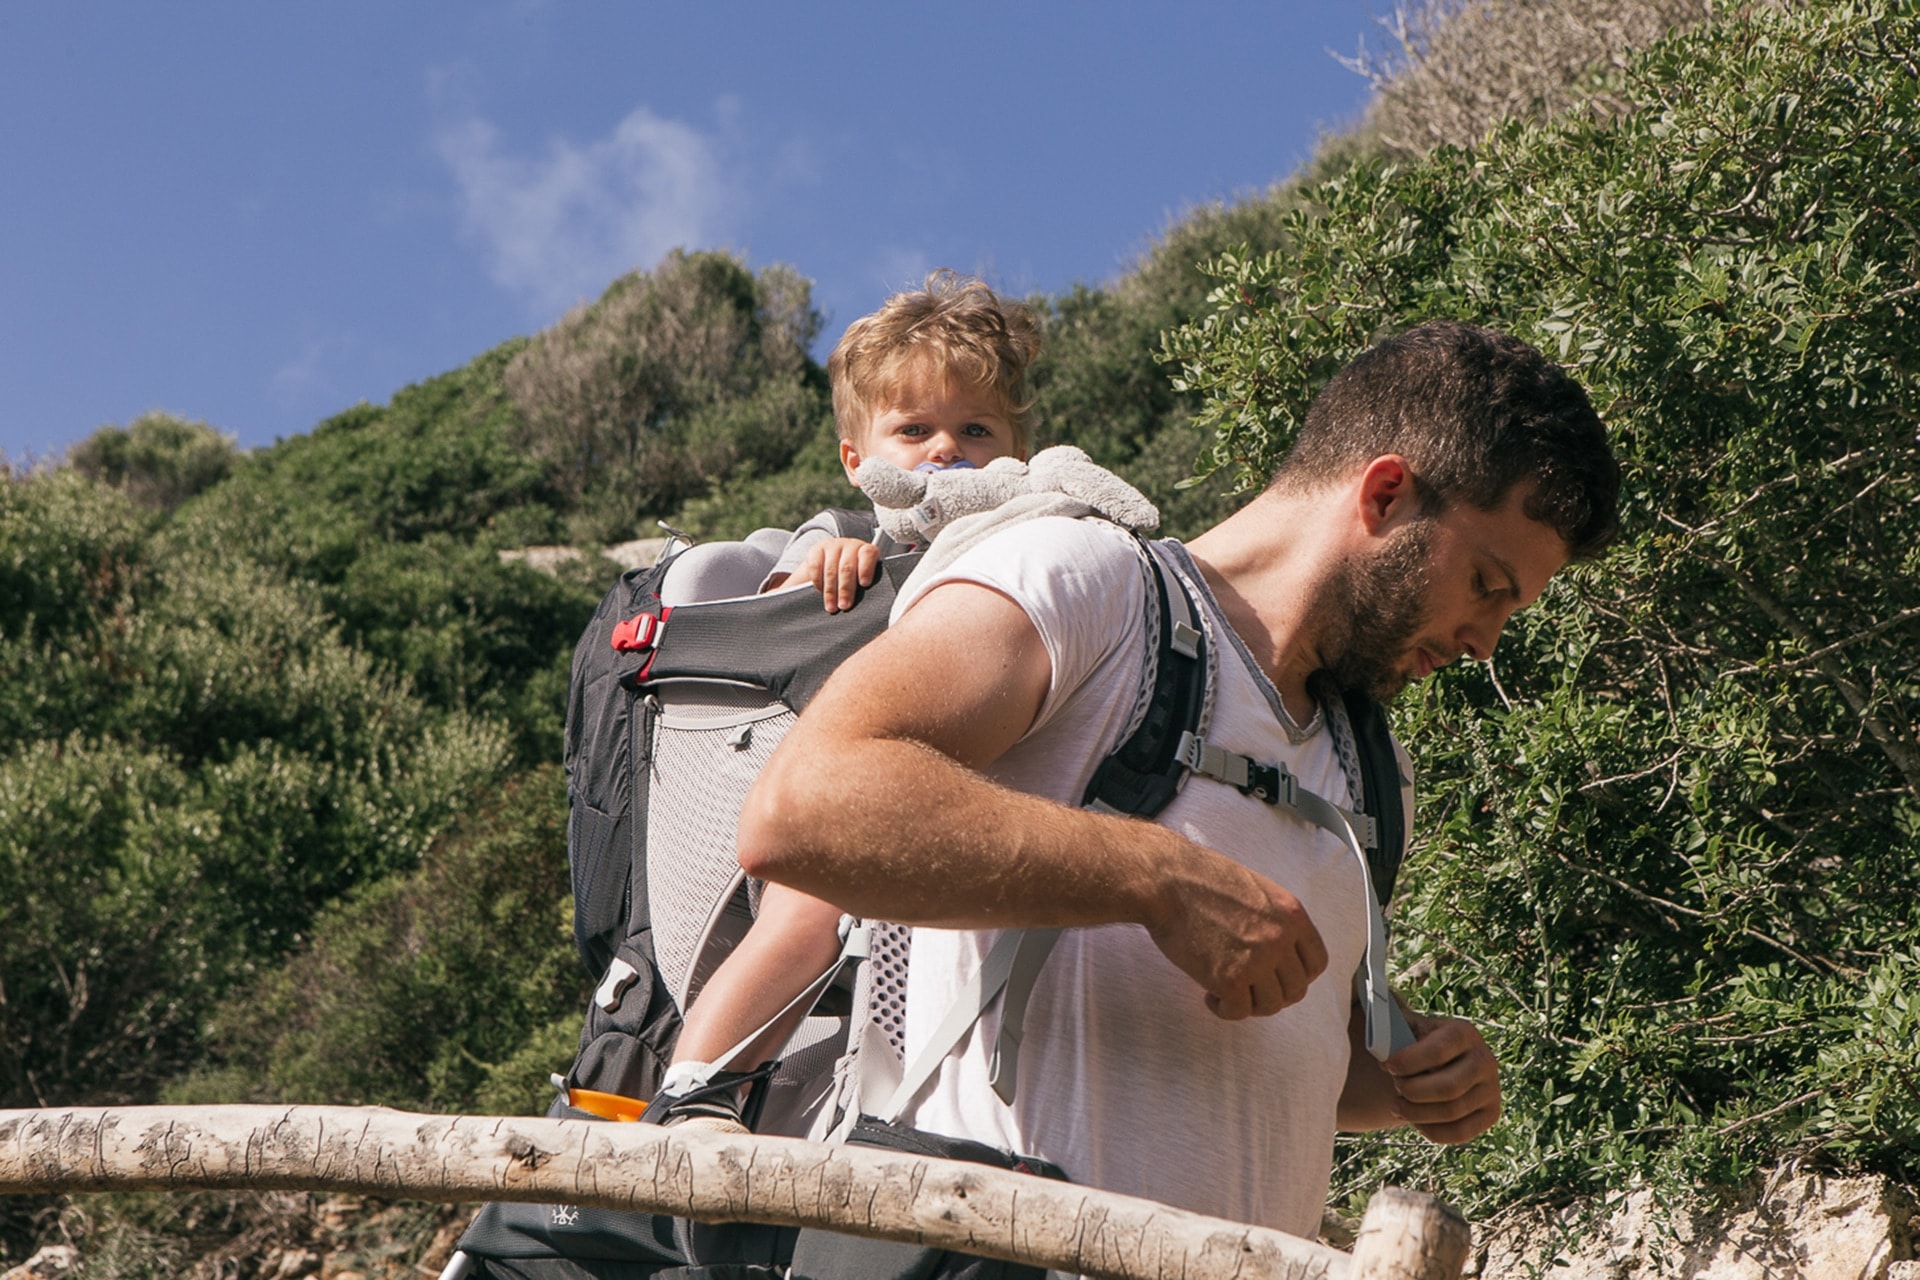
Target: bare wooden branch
point(711, 1177)
point(1408, 1236)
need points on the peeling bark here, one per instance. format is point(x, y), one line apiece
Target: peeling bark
point(715, 1178)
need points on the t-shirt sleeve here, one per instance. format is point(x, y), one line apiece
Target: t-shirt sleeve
point(1080, 582)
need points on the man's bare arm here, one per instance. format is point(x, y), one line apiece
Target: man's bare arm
point(1446, 1083)
point(873, 802)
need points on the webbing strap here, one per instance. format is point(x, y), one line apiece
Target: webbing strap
point(853, 949)
point(1276, 785)
point(1012, 954)
point(1029, 955)
point(1386, 1026)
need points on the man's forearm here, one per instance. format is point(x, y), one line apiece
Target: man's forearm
point(874, 803)
point(931, 842)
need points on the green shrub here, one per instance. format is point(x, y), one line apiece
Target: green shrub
point(449, 988)
point(160, 460)
point(671, 383)
point(193, 763)
point(1669, 835)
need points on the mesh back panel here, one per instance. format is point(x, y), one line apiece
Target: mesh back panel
point(885, 974)
point(707, 749)
point(805, 1077)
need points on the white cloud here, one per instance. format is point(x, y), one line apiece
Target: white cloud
point(560, 227)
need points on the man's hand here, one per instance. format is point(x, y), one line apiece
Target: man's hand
point(1242, 937)
point(839, 567)
point(1447, 1081)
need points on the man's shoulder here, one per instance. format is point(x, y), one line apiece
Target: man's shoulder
point(1073, 540)
point(1067, 574)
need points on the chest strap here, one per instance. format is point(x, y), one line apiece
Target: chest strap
point(1274, 784)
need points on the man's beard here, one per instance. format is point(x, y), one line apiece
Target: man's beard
point(1384, 600)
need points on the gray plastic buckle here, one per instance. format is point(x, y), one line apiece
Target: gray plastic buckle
point(613, 987)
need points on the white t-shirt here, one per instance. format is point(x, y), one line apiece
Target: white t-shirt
point(1126, 1081)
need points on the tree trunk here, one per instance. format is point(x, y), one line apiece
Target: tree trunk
point(715, 1178)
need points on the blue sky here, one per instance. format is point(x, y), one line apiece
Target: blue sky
point(257, 215)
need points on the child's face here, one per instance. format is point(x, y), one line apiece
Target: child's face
point(937, 422)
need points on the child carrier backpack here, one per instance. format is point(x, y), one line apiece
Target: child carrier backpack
point(682, 684)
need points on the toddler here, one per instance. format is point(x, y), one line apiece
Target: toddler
point(935, 378)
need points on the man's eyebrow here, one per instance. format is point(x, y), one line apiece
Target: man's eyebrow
point(1507, 571)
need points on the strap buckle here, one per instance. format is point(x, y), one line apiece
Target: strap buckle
point(1272, 783)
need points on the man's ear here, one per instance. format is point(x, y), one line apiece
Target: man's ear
point(1389, 494)
point(850, 459)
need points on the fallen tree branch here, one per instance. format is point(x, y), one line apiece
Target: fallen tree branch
point(714, 1178)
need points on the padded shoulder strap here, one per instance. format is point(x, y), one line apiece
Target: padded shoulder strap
point(1380, 788)
point(1144, 773)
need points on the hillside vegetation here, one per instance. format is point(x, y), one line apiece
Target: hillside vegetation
point(279, 811)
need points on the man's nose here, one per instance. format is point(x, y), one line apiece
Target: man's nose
point(1481, 634)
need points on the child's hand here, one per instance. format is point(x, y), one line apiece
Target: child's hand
point(839, 567)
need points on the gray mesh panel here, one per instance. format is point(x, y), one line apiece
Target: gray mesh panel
point(707, 750)
point(885, 975)
point(805, 1076)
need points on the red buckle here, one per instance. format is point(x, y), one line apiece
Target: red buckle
point(637, 633)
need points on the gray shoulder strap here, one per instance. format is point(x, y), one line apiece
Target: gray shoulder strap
point(1386, 1027)
point(1013, 963)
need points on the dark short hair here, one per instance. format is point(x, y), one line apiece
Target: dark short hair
point(1473, 412)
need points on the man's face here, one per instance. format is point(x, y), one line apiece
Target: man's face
point(1438, 589)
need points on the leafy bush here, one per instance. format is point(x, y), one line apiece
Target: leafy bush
point(160, 460)
point(1670, 835)
point(193, 762)
point(440, 458)
point(1458, 68)
point(668, 385)
point(454, 987)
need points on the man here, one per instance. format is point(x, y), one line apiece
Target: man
point(1182, 1042)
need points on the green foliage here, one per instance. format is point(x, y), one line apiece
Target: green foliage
point(1098, 385)
point(449, 988)
point(390, 520)
point(193, 761)
point(160, 460)
point(1464, 66)
point(1668, 835)
point(778, 500)
point(439, 459)
point(670, 384)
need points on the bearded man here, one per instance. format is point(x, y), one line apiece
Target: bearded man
point(1192, 1037)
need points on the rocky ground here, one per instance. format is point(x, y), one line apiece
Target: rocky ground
point(263, 1236)
point(1795, 1226)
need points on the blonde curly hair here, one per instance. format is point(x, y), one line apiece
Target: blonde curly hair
point(954, 327)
